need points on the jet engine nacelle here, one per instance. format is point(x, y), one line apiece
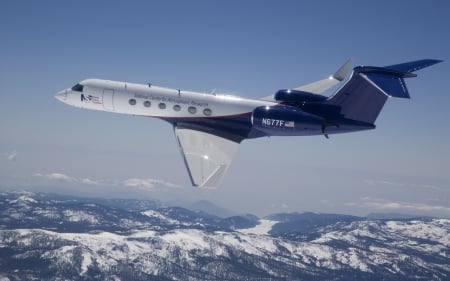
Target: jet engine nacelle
point(286, 120)
point(295, 96)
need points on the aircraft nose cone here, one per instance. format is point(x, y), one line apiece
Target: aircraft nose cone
point(61, 96)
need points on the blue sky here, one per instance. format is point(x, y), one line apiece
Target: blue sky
point(247, 48)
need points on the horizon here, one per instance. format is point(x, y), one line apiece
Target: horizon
point(218, 211)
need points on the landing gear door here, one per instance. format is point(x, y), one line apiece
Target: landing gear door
point(108, 97)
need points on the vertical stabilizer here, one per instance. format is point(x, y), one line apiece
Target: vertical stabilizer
point(363, 96)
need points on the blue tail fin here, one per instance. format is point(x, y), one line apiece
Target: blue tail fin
point(365, 93)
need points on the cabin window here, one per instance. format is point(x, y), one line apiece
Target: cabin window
point(192, 110)
point(162, 105)
point(147, 103)
point(132, 102)
point(207, 111)
point(177, 107)
point(78, 88)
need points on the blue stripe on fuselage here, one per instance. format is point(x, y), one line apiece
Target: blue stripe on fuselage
point(233, 127)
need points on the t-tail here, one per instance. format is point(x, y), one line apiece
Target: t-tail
point(362, 97)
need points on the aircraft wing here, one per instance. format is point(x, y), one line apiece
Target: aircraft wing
point(321, 86)
point(206, 156)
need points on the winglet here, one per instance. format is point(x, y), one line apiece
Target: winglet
point(342, 72)
point(323, 85)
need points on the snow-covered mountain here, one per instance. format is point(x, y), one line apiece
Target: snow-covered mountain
point(49, 237)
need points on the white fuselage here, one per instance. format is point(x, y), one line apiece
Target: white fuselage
point(209, 127)
point(153, 101)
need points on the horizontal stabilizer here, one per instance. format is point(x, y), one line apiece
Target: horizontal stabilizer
point(390, 78)
point(413, 66)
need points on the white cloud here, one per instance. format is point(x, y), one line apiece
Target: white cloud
point(90, 182)
point(282, 206)
point(133, 182)
point(56, 176)
point(400, 184)
point(12, 156)
point(398, 206)
point(147, 183)
point(67, 178)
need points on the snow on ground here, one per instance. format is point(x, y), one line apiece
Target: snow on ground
point(186, 239)
point(87, 260)
point(22, 199)
point(434, 230)
point(157, 215)
point(50, 214)
point(78, 216)
point(263, 227)
point(183, 245)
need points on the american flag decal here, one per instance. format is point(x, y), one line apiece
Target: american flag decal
point(289, 124)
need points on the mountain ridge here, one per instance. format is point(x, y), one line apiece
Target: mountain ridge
point(49, 237)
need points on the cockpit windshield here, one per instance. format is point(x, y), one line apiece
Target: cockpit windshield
point(78, 88)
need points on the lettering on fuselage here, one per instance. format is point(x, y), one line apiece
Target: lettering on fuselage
point(277, 123)
point(90, 99)
point(171, 100)
point(273, 122)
